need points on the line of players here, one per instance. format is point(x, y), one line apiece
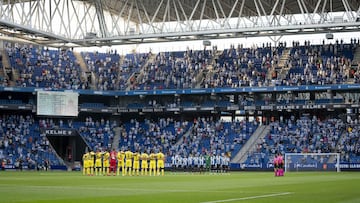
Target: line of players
point(201, 163)
point(123, 162)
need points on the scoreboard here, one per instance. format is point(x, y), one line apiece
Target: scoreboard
point(51, 103)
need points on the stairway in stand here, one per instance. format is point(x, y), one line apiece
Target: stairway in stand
point(355, 63)
point(209, 72)
point(80, 60)
point(116, 140)
point(7, 68)
point(282, 68)
point(2, 69)
point(85, 73)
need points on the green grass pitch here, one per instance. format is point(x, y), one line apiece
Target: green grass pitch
point(55, 187)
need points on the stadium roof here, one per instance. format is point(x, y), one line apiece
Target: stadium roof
point(225, 6)
point(116, 22)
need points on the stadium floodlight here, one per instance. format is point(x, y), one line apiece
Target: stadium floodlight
point(312, 162)
point(206, 43)
point(329, 36)
point(90, 35)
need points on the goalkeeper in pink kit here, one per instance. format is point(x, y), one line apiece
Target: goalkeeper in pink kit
point(280, 165)
point(276, 165)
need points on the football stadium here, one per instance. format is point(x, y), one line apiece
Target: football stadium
point(198, 101)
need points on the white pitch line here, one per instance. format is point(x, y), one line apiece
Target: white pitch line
point(251, 197)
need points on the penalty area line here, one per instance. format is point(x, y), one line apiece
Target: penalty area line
point(251, 197)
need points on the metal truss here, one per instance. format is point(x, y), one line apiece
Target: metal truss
point(114, 22)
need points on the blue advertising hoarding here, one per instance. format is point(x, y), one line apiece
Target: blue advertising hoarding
point(194, 91)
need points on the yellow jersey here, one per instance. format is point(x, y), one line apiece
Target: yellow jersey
point(85, 157)
point(91, 156)
point(98, 155)
point(144, 156)
point(106, 156)
point(160, 156)
point(121, 156)
point(86, 160)
point(136, 156)
point(152, 157)
point(128, 155)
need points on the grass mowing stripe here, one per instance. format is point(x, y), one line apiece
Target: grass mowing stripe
point(44, 187)
point(39, 187)
point(251, 197)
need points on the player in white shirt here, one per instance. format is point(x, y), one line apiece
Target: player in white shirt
point(190, 163)
point(218, 163)
point(178, 163)
point(213, 163)
point(173, 162)
point(196, 163)
point(184, 163)
point(222, 164)
point(202, 163)
point(226, 163)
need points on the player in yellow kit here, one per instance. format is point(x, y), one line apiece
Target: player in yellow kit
point(85, 163)
point(160, 163)
point(98, 164)
point(128, 165)
point(136, 163)
point(91, 162)
point(106, 163)
point(121, 164)
point(144, 163)
point(152, 167)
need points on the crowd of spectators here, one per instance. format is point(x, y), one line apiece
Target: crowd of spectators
point(215, 137)
point(147, 135)
point(112, 73)
point(239, 66)
point(308, 135)
point(234, 67)
point(97, 133)
point(22, 144)
point(349, 145)
point(184, 138)
point(174, 70)
point(23, 140)
point(43, 67)
point(322, 64)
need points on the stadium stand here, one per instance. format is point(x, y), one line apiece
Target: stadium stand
point(22, 144)
point(112, 73)
point(303, 135)
point(349, 145)
point(174, 70)
point(234, 67)
point(152, 134)
point(217, 137)
point(237, 67)
point(41, 67)
point(321, 64)
point(231, 68)
point(98, 134)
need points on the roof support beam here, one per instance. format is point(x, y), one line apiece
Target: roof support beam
point(134, 21)
point(101, 18)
